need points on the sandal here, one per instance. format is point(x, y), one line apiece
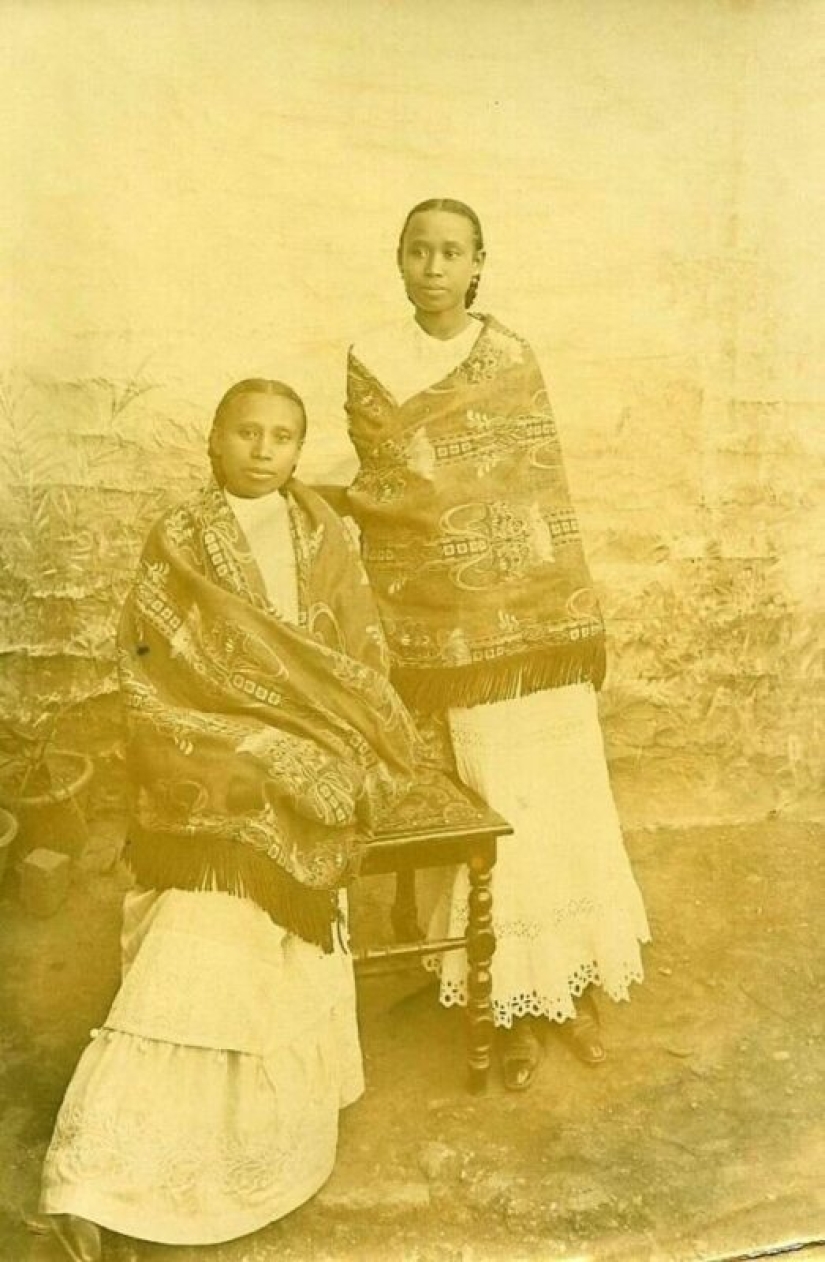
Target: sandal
point(582, 1033)
point(36, 1223)
point(79, 1237)
point(520, 1055)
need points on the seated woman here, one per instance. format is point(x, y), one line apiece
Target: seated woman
point(262, 736)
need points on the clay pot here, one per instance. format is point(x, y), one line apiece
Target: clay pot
point(53, 818)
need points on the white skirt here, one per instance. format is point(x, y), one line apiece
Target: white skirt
point(207, 1105)
point(566, 910)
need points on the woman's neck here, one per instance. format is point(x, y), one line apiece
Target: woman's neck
point(255, 499)
point(443, 324)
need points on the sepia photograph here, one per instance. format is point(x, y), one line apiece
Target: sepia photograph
point(412, 630)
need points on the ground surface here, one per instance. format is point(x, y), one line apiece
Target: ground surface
point(703, 1138)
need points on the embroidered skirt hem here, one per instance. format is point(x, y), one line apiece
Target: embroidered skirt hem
point(567, 912)
point(202, 1140)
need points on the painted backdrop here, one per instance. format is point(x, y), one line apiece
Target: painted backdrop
point(197, 192)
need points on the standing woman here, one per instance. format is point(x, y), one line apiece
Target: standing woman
point(475, 556)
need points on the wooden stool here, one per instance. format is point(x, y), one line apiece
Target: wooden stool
point(442, 822)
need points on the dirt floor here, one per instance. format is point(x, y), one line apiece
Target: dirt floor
point(702, 1138)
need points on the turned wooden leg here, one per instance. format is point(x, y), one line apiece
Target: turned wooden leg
point(404, 913)
point(481, 944)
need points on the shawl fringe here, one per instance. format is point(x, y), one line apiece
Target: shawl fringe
point(171, 862)
point(440, 688)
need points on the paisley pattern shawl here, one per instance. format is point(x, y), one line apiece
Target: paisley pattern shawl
point(259, 751)
point(468, 533)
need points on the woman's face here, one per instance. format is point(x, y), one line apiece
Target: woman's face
point(258, 443)
point(438, 260)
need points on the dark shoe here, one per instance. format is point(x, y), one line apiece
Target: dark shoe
point(520, 1055)
point(582, 1033)
point(79, 1237)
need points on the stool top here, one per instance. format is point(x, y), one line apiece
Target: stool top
point(438, 805)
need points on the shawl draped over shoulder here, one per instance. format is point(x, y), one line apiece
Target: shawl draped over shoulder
point(469, 536)
point(259, 751)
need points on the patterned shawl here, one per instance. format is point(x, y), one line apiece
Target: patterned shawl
point(258, 750)
point(468, 534)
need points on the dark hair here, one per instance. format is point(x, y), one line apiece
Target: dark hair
point(454, 207)
point(251, 385)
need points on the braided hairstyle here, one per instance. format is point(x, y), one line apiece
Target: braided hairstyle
point(454, 207)
point(251, 385)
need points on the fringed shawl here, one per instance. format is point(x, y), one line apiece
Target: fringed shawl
point(259, 751)
point(468, 533)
